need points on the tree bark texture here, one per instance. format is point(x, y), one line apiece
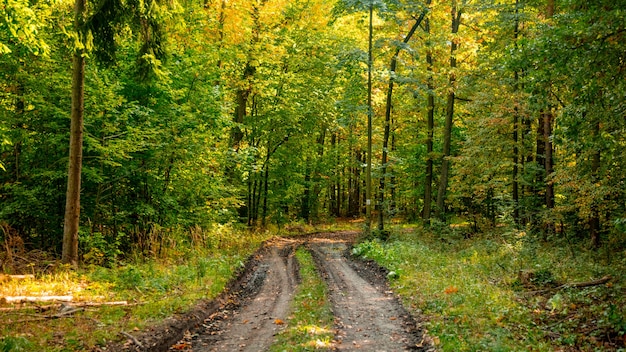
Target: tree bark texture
point(72, 203)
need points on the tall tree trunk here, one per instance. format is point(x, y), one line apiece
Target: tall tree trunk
point(72, 203)
point(447, 136)
point(548, 117)
point(370, 113)
point(515, 176)
point(392, 72)
point(430, 121)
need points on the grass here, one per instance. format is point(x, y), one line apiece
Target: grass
point(475, 298)
point(310, 325)
point(155, 288)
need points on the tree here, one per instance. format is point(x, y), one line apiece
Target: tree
point(455, 14)
point(392, 72)
point(72, 205)
point(101, 24)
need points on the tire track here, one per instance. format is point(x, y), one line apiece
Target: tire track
point(366, 317)
point(252, 327)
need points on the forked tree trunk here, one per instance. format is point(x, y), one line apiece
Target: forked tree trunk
point(392, 71)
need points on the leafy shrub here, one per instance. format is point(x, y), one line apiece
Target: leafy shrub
point(100, 249)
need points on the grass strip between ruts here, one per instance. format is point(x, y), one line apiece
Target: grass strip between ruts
point(309, 327)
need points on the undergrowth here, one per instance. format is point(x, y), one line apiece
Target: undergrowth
point(506, 291)
point(195, 266)
point(310, 324)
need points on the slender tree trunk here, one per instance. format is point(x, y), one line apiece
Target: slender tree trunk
point(72, 203)
point(430, 121)
point(548, 118)
point(549, 162)
point(370, 113)
point(265, 189)
point(249, 198)
point(515, 176)
point(445, 164)
point(314, 202)
point(20, 105)
point(305, 208)
point(540, 155)
point(392, 72)
point(257, 198)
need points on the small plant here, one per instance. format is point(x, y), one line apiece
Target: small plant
point(14, 344)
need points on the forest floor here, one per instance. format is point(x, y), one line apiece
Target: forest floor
point(502, 291)
point(258, 306)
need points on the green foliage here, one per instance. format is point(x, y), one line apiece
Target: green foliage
point(14, 344)
point(98, 249)
point(471, 290)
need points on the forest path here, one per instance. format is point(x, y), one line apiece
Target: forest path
point(368, 317)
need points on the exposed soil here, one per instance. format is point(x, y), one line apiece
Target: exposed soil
point(368, 317)
point(252, 325)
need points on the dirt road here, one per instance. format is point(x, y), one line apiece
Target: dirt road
point(368, 317)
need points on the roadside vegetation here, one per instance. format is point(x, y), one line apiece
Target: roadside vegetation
point(309, 327)
point(129, 295)
point(506, 290)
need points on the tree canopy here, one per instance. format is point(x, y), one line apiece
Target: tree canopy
point(255, 112)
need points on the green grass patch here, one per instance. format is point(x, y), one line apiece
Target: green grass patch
point(475, 296)
point(184, 273)
point(310, 324)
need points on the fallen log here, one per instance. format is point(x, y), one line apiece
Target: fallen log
point(596, 282)
point(23, 299)
point(76, 304)
point(4, 277)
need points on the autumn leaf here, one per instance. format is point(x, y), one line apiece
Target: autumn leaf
point(451, 289)
point(181, 346)
point(278, 322)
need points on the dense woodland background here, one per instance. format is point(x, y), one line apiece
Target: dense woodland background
point(199, 113)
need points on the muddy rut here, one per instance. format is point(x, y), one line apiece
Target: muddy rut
point(368, 317)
